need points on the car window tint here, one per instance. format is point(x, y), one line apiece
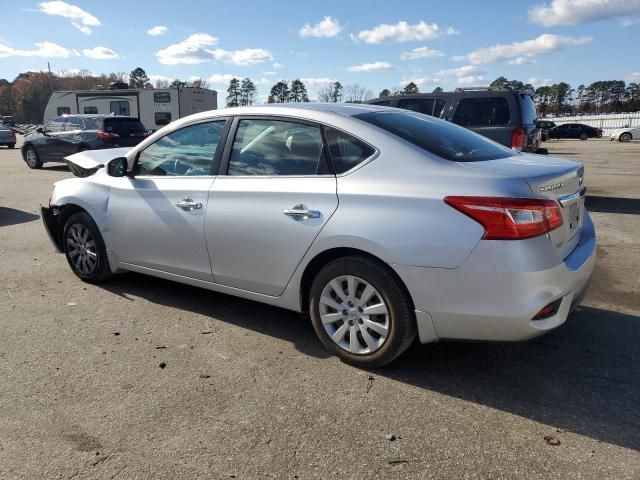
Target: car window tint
point(73, 123)
point(185, 152)
point(437, 136)
point(346, 151)
point(56, 125)
point(276, 147)
point(482, 112)
point(420, 105)
point(528, 107)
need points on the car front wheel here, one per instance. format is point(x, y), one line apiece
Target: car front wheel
point(625, 137)
point(31, 158)
point(84, 248)
point(584, 136)
point(361, 311)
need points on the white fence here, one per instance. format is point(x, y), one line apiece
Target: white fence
point(607, 122)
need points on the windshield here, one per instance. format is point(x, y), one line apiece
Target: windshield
point(437, 136)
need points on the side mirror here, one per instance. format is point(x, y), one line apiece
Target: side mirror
point(117, 167)
point(40, 130)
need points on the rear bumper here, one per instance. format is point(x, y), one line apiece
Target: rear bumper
point(50, 221)
point(7, 141)
point(496, 293)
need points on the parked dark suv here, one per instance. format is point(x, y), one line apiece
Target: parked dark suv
point(68, 134)
point(575, 130)
point(505, 116)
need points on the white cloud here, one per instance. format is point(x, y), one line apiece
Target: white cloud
point(634, 76)
point(197, 48)
point(100, 53)
point(80, 18)
point(157, 30)
point(521, 61)
point(540, 82)
point(452, 31)
point(462, 71)
point(249, 56)
point(222, 78)
point(472, 80)
point(268, 72)
point(154, 78)
point(328, 27)
point(314, 82)
point(44, 49)
point(276, 65)
point(402, 32)
point(370, 67)
point(629, 22)
point(420, 81)
point(421, 52)
point(575, 12)
point(529, 48)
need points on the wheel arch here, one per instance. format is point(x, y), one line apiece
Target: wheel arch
point(625, 133)
point(65, 211)
point(323, 258)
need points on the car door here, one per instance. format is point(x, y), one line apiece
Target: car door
point(70, 139)
point(561, 131)
point(274, 194)
point(156, 219)
point(48, 145)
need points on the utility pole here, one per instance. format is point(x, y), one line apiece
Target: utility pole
point(50, 77)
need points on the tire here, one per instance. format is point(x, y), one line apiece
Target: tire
point(370, 347)
point(625, 137)
point(31, 158)
point(81, 234)
point(12, 145)
point(584, 136)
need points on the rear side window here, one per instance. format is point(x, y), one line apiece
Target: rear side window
point(528, 109)
point(162, 97)
point(124, 126)
point(346, 151)
point(437, 136)
point(73, 123)
point(482, 112)
point(420, 105)
point(90, 110)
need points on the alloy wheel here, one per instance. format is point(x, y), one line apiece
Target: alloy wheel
point(32, 159)
point(354, 314)
point(81, 249)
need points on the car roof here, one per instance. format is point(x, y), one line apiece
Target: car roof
point(96, 115)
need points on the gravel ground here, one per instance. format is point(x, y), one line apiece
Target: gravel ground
point(248, 392)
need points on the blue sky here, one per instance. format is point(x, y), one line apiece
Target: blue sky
point(378, 44)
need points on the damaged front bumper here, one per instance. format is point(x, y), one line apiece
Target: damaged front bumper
point(50, 218)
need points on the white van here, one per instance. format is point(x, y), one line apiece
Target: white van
point(154, 107)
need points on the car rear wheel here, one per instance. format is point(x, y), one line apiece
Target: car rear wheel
point(84, 248)
point(12, 145)
point(584, 136)
point(625, 137)
point(361, 312)
point(31, 158)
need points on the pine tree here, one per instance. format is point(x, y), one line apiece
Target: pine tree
point(233, 93)
point(298, 91)
point(410, 88)
point(384, 93)
point(248, 92)
point(280, 92)
point(138, 79)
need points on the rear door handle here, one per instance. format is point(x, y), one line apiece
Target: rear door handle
point(301, 212)
point(188, 204)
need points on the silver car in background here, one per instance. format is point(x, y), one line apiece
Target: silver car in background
point(384, 224)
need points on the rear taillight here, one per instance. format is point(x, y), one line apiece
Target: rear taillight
point(107, 135)
point(517, 139)
point(510, 218)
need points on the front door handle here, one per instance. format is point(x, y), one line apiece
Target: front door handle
point(301, 212)
point(188, 204)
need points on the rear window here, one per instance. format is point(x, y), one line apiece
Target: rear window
point(123, 126)
point(529, 114)
point(420, 105)
point(482, 112)
point(437, 136)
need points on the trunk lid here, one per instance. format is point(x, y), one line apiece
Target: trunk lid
point(554, 178)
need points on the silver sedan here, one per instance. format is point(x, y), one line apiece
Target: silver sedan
point(384, 224)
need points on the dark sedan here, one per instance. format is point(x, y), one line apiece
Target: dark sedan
point(7, 136)
point(575, 130)
point(69, 134)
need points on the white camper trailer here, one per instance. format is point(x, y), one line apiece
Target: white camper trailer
point(154, 107)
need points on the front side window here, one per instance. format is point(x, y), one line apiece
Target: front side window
point(420, 105)
point(346, 151)
point(119, 107)
point(73, 123)
point(90, 110)
point(63, 111)
point(482, 112)
point(437, 136)
point(185, 152)
point(276, 147)
point(162, 97)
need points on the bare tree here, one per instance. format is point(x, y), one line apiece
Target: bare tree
point(162, 83)
point(356, 93)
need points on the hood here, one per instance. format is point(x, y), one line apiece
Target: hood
point(84, 164)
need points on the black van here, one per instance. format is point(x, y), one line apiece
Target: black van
point(505, 116)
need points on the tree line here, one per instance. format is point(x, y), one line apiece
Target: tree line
point(27, 95)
